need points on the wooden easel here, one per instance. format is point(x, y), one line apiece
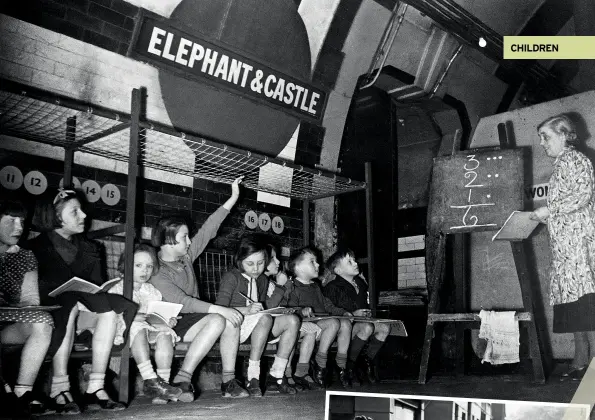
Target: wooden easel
point(464, 320)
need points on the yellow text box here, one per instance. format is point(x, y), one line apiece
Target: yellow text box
point(549, 47)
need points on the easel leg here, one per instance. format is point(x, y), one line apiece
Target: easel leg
point(460, 281)
point(518, 252)
point(425, 356)
point(436, 256)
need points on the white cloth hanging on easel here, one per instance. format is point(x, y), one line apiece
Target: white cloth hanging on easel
point(501, 331)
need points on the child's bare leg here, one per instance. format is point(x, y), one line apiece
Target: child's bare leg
point(140, 348)
point(258, 341)
point(208, 330)
point(103, 339)
point(301, 376)
point(164, 353)
point(258, 338)
point(60, 380)
point(330, 328)
point(343, 340)
point(36, 337)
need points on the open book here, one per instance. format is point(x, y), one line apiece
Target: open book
point(77, 284)
point(518, 226)
point(159, 312)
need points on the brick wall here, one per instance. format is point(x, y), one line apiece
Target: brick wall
point(107, 24)
point(59, 62)
point(160, 198)
point(411, 270)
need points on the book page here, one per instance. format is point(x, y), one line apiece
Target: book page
point(75, 284)
point(166, 310)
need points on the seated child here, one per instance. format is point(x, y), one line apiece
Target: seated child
point(245, 288)
point(304, 292)
point(202, 323)
point(278, 278)
point(19, 287)
point(349, 291)
point(142, 334)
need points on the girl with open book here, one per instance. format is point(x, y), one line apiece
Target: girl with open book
point(63, 252)
point(142, 333)
point(245, 288)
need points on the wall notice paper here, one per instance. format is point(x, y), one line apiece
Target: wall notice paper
point(518, 226)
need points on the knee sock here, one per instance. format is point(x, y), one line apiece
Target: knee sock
point(183, 376)
point(60, 384)
point(228, 375)
point(19, 390)
point(278, 367)
point(146, 370)
point(96, 382)
point(164, 374)
point(357, 344)
point(321, 359)
point(341, 360)
point(253, 369)
point(373, 347)
point(301, 369)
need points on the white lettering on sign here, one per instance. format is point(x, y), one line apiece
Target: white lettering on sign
point(278, 225)
point(537, 192)
point(35, 182)
point(264, 222)
point(11, 177)
point(175, 48)
point(251, 219)
point(92, 190)
point(110, 194)
point(471, 220)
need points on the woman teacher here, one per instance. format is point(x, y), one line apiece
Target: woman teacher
point(570, 218)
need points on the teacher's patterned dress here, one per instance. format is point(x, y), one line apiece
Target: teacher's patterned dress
point(572, 240)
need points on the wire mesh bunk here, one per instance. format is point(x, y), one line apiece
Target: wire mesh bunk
point(39, 116)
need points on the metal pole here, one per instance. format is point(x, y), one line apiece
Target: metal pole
point(306, 222)
point(130, 230)
point(370, 239)
point(69, 152)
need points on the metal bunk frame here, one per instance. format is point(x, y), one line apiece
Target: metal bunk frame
point(37, 115)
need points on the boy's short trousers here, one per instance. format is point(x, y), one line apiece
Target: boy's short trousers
point(186, 322)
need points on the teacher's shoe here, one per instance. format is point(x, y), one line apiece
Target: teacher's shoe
point(574, 374)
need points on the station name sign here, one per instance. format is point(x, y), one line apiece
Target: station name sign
point(158, 43)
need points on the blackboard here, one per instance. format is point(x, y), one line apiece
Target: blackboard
point(475, 190)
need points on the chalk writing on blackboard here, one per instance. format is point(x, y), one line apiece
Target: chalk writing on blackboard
point(468, 219)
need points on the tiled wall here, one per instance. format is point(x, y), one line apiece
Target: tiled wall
point(412, 270)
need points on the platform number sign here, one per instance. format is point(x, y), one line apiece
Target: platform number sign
point(76, 184)
point(278, 225)
point(11, 177)
point(251, 219)
point(35, 182)
point(92, 191)
point(264, 222)
point(110, 194)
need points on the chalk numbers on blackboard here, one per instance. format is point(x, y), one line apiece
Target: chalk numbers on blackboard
point(469, 219)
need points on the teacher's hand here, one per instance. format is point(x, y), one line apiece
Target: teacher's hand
point(541, 214)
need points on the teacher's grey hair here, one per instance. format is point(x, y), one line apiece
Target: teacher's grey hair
point(561, 124)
